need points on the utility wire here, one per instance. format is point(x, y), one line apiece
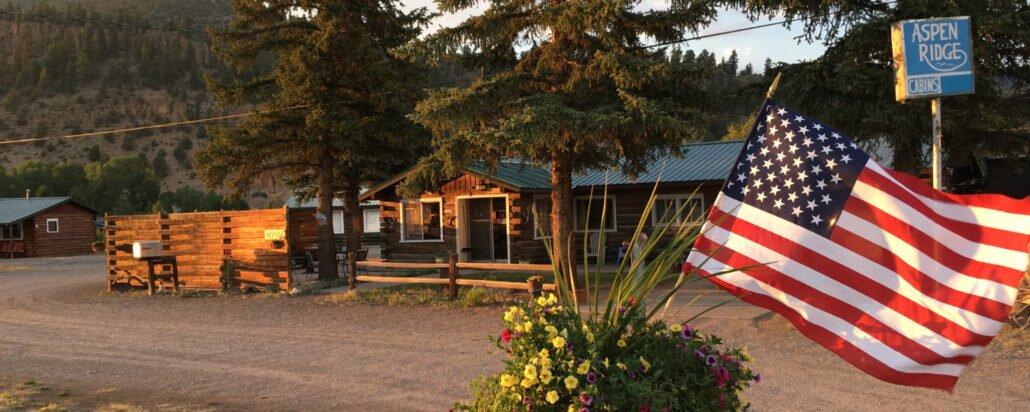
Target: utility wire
point(759, 26)
point(156, 126)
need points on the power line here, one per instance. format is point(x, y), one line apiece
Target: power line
point(156, 126)
point(760, 26)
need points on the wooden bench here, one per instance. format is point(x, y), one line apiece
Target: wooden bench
point(153, 277)
point(13, 248)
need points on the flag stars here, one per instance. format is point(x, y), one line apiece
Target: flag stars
point(775, 190)
point(796, 211)
point(807, 142)
point(803, 129)
point(810, 205)
point(816, 220)
point(785, 123)
point(792, 197)
point(767, 164)
point(821, 138)
point(782, 111)
point(816, 169)
point(778, 203)
point(806, 190)
point(789, 135)
point(751, 157)
point(741, 177)
point(826, 199)
point(761, 196)
point(764, 151)
point(841, 146)
point(830, 164)
point(788, 183)
point(835, 178)
point(827, 149)
point(793, 148)
point(845, 159)
point(820, 184)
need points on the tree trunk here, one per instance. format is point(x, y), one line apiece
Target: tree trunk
point(324, 215)
point(352, 227)
point(561, 217)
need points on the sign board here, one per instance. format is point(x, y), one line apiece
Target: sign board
point(932, 57)
point(275, 234)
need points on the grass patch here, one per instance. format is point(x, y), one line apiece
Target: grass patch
point(11, 268)
point(404, 295)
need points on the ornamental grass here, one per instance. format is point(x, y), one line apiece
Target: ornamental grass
point(615, 353)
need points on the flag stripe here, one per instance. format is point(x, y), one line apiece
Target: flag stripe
point(948, 275)
point(993, 211)
point(886, 230)
point(835, 343)
point(983, 306)
point(902, 212)
point(827, 321)
point(884, 324)
point(834, 278)
point(852, 269)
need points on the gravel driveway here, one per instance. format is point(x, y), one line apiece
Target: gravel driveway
point(296, 353)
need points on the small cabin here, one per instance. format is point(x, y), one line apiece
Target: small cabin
point(502, 215)
point(45, 226)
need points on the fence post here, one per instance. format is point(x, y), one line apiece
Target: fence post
point(452, 275)
point(352, 267)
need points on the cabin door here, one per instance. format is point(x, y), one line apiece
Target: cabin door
point(487, 228)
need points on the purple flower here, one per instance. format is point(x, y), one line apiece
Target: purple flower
point(687, 332)
point(622, 309)
point(758, 377)
point(585, 399)
point(526, 400)
point(569, 346)
point(584, 409)
point(591, 377)
point(699, 354)
point(710, 360)
point(632, 376)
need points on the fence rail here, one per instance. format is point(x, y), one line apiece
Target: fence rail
point(449, 274)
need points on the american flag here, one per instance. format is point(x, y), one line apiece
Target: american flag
point(906, 283)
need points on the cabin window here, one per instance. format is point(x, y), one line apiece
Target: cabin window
point(52, 226)
point(586, 209)
point(11, 231)
point(541, 217)
point(338, 222)
point(678, 209)
point(421, 220)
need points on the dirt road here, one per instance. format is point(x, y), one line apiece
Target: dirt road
point(295, 353)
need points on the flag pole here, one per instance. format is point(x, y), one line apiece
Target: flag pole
point(935, 147)
point(768, 96)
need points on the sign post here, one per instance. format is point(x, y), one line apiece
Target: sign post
point(933, 58)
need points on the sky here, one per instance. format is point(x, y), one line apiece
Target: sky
point(777, 42)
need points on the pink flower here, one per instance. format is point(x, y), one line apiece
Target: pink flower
point(586, 399)
point(506, 336)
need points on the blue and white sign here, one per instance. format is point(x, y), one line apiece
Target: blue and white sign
point(932, 57)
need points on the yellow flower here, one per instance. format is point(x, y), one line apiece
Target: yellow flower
point(545, 363)
point(572, 408)
point(590, 337)
point(552, 397)
point(744, 355)
point(622, 343)
point(571, 382)
point(552, 299)
point(508, 381)
point(544, 353)
point(647, 365)
point(542, 301)
point(541, 320)
point(527, 383)
point(606, 365)
point(551, 330)
point(510, 314)
point(545, 376)
point(558, 342)
point(529, 372)
point(583, 368)
point(621, 365)
point(528, 326)
point(675, 327)
point(518, 328)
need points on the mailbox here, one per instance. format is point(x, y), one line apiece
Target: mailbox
point(147, 249)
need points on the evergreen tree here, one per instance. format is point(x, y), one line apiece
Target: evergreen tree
point(566, 85)
point(160, 164)
point(335, 100)
point(852, 85)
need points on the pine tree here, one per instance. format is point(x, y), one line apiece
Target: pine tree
point(567, 85)
point(335, 100)
point(851, 85)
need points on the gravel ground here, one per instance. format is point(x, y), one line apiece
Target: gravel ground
point(297, 353)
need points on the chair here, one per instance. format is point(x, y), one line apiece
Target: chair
point(594, 247)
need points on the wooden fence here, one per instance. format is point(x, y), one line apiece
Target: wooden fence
point(201, 243)
point(449, 274)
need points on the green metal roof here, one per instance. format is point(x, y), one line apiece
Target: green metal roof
point(700, 162)
point(14, 209)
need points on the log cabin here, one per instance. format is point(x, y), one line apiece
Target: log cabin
point(45, 226)
point(502, 215)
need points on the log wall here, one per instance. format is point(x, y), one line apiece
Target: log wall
point(201, 242)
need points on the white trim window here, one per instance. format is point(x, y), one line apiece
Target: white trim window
point(53, 225)
point(678, 209)
point(541, 217)
point(12, 231)
point(422, 220)
point(580, 206)
point(339, 222)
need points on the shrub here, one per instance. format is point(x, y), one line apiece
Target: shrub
point(614, 354)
